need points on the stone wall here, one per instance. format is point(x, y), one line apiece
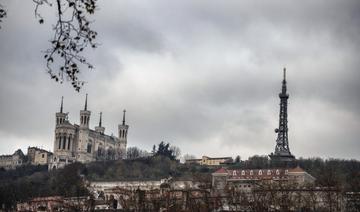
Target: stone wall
point(12, 161)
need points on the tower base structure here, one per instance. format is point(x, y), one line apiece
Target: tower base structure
point(282, 160)
point(282, 157)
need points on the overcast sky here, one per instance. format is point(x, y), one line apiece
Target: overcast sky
point(202, 75)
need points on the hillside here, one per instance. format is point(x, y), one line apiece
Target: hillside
point(33, 181)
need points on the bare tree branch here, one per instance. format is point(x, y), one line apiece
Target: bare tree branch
point(2, 13)
point(72, 35)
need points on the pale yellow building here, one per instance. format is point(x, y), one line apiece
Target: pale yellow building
point(38, 156)
point(208, 161)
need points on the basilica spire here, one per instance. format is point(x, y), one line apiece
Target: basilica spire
point(85, 116)
point(85, 108)
point(123, 122)
point(100, 119)
point(61, 116)
point(61, 106)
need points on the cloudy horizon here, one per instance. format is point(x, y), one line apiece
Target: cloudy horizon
point(202, 75)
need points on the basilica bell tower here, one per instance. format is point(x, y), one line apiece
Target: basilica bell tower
point(123, 130)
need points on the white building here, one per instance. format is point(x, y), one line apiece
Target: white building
point(246, 179)
point(79, 143)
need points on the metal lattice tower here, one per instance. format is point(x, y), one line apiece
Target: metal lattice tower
point(282, 151)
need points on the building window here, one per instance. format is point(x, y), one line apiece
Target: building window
point(89, 148)
point(234, 173)
point(99, 152)
point(269, 172)
point(251, 172)
point(64, 142)
point(42, 155)
point(69, 142)
point(277, 172)
point(242, 172)
point(260, 172)
point(59, 139)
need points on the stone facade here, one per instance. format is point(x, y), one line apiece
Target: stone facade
point(118, 191)
point(38, 156)
point(145, 185)
point(12, 161)
point(55, 203)
point(79, 143)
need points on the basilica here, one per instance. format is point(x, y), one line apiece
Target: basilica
point(79, 143)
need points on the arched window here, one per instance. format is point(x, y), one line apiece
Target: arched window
point(89, 146)
point(277, 172)
point(59, 140)
point(99, 152)
point(234, 173)
point(69, 141)
point(269, 172)
point(242, 172)
point(251, 172)
point(260, 172)
point(64, 142)
point(110, 154)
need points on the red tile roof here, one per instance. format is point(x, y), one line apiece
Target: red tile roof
point(221, 171)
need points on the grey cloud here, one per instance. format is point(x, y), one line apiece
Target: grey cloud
point(202, 75)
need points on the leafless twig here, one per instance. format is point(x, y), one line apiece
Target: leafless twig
point(72, 35)
point(2, 13)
